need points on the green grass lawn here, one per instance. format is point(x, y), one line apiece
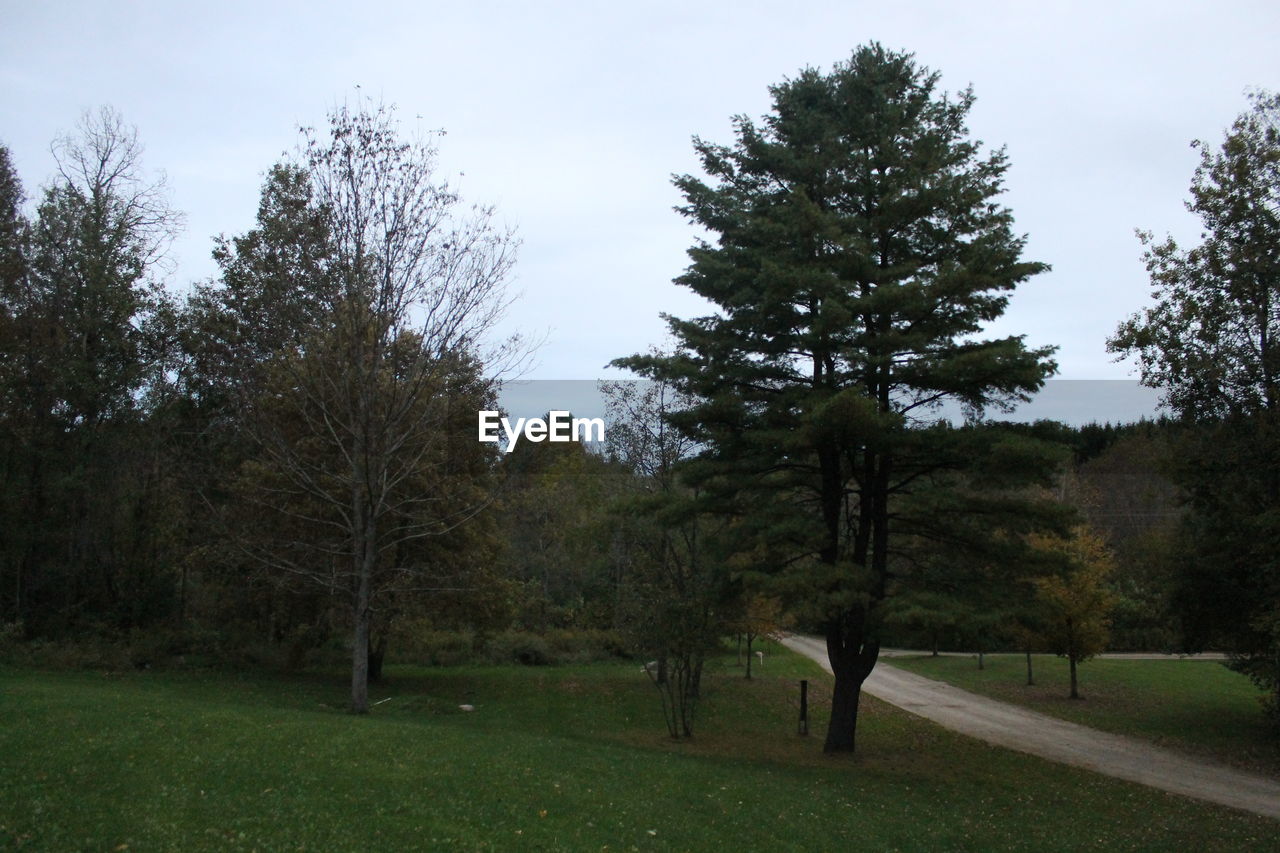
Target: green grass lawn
point(1196, 706)
point(564, 758)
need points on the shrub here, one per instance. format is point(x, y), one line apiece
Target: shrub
point(519, 647)
point(440, 648)
point(586, 646)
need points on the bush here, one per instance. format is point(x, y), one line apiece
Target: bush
point(519, 647)
point(11, 636)
point(439, 648)
point(163, 648)
point(586, 646)
point(84, 653)
point(458, 648)
point(154, 648)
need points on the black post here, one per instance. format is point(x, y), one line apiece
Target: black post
point(804, 707)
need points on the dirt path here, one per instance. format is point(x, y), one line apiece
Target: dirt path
point(1017, 728)
point(913, 653)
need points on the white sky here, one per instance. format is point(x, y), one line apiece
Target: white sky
point(571, 118)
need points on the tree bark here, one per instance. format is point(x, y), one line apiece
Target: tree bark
point(844, 707)
point(377, 654)
point(1075, 693)
point(297, 654)
point(360, 662)
point(364, 554)
point(1030, 679)
point(360, 638)
point(851, 665)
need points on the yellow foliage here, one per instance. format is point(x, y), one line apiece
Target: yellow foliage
point(1077, 602)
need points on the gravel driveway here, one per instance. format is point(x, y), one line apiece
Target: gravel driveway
point(1017, 728)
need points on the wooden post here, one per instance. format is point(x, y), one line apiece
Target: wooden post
point(804, 707)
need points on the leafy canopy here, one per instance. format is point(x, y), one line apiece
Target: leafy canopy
point(859, 250)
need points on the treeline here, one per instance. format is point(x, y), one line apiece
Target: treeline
point(271, 458)
point(1120, 481)
point(282, 462)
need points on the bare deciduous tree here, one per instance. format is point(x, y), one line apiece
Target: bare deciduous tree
point(675, 587)
point(365, 454)
point(101, 162)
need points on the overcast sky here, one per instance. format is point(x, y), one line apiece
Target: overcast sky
point(572, 117)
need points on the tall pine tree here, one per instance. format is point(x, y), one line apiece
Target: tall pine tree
point(859, 251)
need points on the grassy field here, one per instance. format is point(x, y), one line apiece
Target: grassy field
point(566, 758)
point(1196, 706)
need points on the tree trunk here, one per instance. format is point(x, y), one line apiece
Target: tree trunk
point(360, 662)
point(182, 597)
point(377, 653)
point(1075, 693)
point(297, 654)
point(1030, 679)
point(686, 708)
point(851, 651)
point(1276, 675)
point(843, 728)
point(364, 555)
point(360, 638)
point(851, 665)
point(750, 637)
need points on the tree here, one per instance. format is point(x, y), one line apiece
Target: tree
point(13, 256)
point(1210, 343)
point(85, 316)
point(859, 252)
point(675, 586)
point(277, 285)
point(365, 460)
point(1126, 495)
point(757, 616)
point(560, 536)
point(274, 285)
point(101, 231)
point(1077, 602)
point(13, 228)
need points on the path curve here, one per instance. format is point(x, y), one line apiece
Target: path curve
point(1017, 728)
